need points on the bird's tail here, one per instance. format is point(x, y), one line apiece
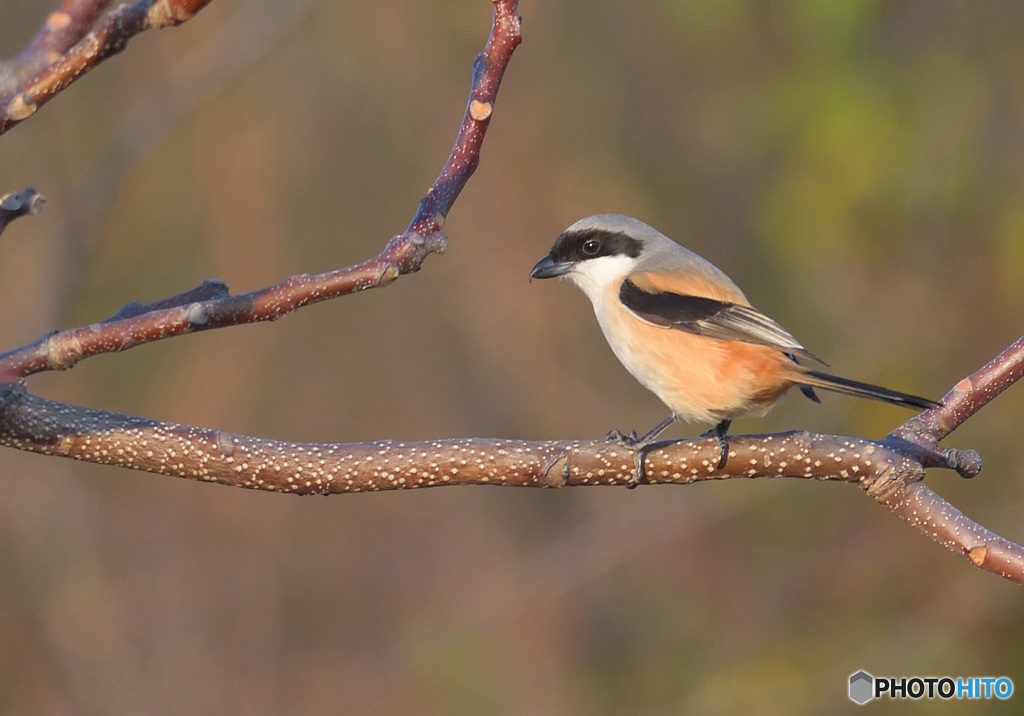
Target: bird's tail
point(827, 381)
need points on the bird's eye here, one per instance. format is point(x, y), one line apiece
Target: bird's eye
point(591, 246)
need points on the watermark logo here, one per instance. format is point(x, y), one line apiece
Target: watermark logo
point(864, 687)
point(861, 687)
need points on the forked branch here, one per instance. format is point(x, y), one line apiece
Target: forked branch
point(890, 470)
point(211, 305)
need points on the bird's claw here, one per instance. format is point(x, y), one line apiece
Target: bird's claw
point(617, 436)
point(638, 468)
point(633, 442)
point(723, 445)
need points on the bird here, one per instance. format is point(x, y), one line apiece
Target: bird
point(687, 332)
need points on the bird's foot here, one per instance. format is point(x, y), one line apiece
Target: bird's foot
point(621, 438)
point(719, 432)
point(635, 443)
point(640, 446)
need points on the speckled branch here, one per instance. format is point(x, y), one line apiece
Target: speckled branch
point(211, 305)
point(969, 395)
point(890, 471)
point(107, 40)
point(63, 27)
point(929, 513)
point(29, 422)
point(488, 71)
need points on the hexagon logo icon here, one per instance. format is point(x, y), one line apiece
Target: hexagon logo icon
point(861, 687)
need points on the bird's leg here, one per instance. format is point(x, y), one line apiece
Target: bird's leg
point(719, 432)
point(632, 441)
point(639, 446)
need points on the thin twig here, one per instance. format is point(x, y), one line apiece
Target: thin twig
point(23, 203)
point(925, 510)
point(969, 395)
point(934, 517)
point(488, 71)
point(63, 27)
point(110, 38)
point(403, 254)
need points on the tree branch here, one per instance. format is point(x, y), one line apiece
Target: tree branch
point(49, 67)
point(29, 422)
point(933, 516)
point(968, 396)
point(64, 27)
point(890, 470)
point(200, 310)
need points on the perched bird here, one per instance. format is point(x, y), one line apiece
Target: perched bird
point(686, 331)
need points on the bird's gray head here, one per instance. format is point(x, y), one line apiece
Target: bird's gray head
point(602, 249)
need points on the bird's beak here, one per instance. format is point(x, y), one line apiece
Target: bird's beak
point(547, 267)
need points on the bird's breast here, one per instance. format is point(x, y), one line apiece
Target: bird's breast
point(700, 379)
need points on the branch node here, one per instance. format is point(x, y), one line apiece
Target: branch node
point(209, 290)
point(888, 483)
point(978, 555)
point(58, 20)
point(197, 314)
point(390, 273)
point(15, 204)
point(967, 463)
point(14, 201)
point(65, 446)
point(63, 349)
point(165, 13)
point(964, 386)
point(480, 110)
point(21, 107)
point(437, 242)
point(225, 443)
point(556, 471)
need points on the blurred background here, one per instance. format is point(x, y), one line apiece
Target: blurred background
point(857, 167)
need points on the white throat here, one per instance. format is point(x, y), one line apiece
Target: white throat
point(593, 276)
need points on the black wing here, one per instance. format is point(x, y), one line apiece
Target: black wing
point(711, 318)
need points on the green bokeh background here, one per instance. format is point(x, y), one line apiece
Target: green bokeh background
point(857, 167)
